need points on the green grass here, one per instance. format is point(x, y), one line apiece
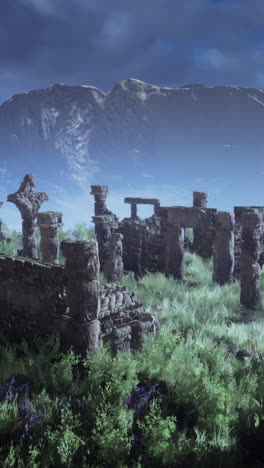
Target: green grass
point(206, 411)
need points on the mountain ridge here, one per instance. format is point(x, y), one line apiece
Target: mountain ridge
point(134, 116)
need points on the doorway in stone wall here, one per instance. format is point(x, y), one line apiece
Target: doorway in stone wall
point(188, 239)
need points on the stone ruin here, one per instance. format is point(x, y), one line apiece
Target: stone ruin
point(43, 297)
point(157, 243)
point(114, 266)
point(86, 312)
point(28, 202)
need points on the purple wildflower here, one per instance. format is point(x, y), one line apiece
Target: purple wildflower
point(140, 398)
point(8, 391)
point(29, 419)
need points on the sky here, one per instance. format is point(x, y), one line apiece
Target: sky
point(163, 42)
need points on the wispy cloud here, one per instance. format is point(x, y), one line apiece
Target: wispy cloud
point(147, 176)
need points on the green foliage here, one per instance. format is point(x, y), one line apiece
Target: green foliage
point(64, 442)
point(111, 433)
point(194, 353)
point(157, 435)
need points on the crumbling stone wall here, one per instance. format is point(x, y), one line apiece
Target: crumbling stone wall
point(238, 210)
point(121, 320)
point(143, 245)
point(31, 294)
point(38, 298)
point(143, 239)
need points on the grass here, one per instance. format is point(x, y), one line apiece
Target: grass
point(193, 398)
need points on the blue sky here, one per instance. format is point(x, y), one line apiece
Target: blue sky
point(163, 42)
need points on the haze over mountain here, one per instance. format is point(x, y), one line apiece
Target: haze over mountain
point(67, 134)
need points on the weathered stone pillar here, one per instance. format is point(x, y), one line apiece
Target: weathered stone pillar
point(133, 210)
point(238, 210)
point(100, 193)
point(48, 224)
point(28, 202)
point(174, 253)
point(203, 241)
point(223, 256)
point(163, 214)
point(156, 208)
point(250, 250)
point(82, 270)
point(199, 201)
point(114, 266)
point(104, 227)
point(105, 221)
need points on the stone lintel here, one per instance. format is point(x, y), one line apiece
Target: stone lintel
point(251, 220)
point(188, 217)
point(142, 201)
point(238, 210)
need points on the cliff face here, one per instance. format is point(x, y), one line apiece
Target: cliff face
point(133, 117)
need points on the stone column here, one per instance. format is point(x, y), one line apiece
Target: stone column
point(49, 243)
point(100, 193)
point(174, 253)
point(28, 202)
point(133, 210)
point(105, 221)
point(223, 256)
point(199, 201)
point(104, 227)
point(114, 266)
point(238, 210)
point(156, 208)
point(249, 267)
point(82, 270)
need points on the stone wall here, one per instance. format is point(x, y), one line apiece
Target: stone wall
point(38, 298)
point(145, 240)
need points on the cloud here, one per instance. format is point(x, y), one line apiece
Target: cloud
point(147, 176)
point(43, 6)
point(101, 42)
point(218, 60)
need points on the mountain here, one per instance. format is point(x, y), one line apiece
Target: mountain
point(134, 117)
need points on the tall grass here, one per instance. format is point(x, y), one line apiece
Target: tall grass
point(194, 397)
